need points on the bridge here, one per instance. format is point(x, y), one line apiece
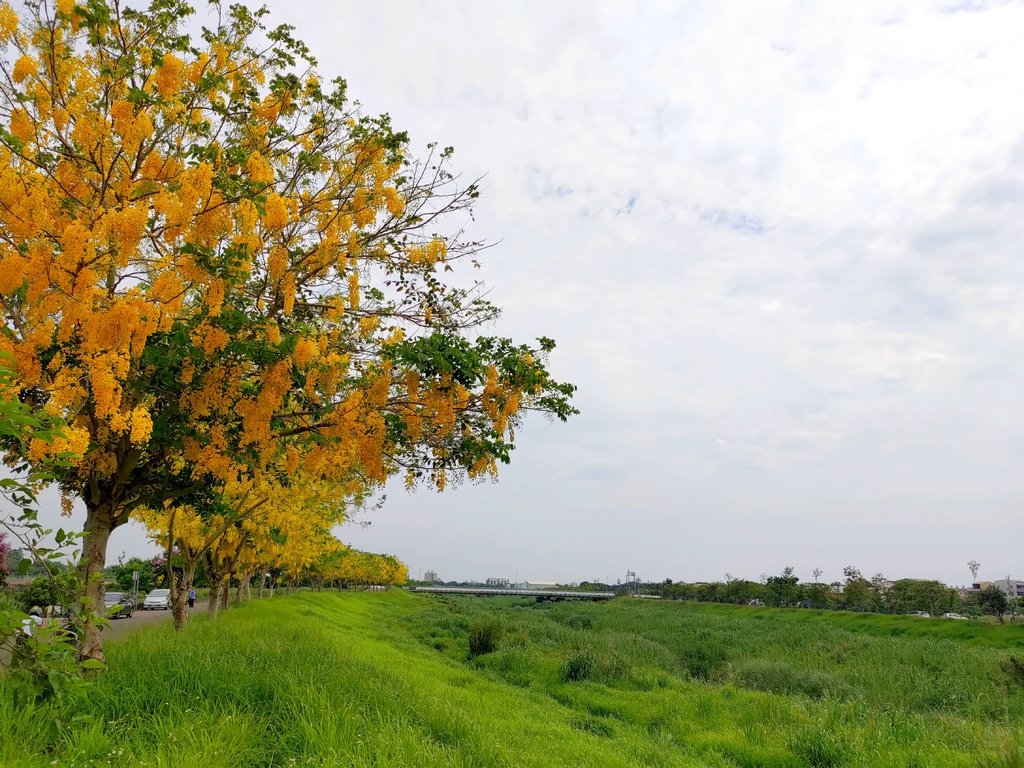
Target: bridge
point(542, 595)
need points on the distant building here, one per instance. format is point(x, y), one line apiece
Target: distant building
point(503, 583)
point(1010, 587)
point(430, 576)
point(536, 585)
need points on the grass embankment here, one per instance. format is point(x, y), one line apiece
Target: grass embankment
point(388, 680)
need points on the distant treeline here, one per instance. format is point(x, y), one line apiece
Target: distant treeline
point(855, 593)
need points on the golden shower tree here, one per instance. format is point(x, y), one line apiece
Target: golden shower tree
point(212, 266)
point(252, 526)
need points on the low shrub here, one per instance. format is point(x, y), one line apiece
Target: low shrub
point(580, 664)
point(1008, 755)
point(514, 664)
point(822, 747)
point(485, 635)
point(1013, 671)
point(780, 677)
point(704, 659)
point(599, 659)
point(594, 726)
point(579, 621)
point(642, 652)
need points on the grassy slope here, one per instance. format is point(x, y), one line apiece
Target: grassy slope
point(385, 680)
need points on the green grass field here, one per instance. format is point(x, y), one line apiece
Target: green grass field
point(388, 679)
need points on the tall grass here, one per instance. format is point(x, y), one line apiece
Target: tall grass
point(834, 689)
point(385, 680)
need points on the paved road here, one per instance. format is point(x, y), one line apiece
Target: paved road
point(121, 627)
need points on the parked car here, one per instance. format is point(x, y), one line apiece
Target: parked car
point(118, 605)
point(157, 600)
point(954, 616)
point(922, 614)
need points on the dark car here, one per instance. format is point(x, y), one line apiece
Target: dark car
point(118, 605)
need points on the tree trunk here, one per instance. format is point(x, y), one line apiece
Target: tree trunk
point(99, 522)
point(179, 605)
point(246, 584)
point(245, 587)
point(225, 593)
point(179, 600)
point(214, 604)
point(172, 579)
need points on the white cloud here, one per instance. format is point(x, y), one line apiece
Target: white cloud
point(777, 244)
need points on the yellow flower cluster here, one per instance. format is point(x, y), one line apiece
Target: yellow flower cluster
point(394, 202)
point(276, 216)
point(24, 68)
point(305, 352)
point(433, 252)
point(167, 77)
point(259, 169)
point(8, 23)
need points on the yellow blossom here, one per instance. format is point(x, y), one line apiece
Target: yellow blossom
point(277, 263)
point(292, 461)
point(24, 68)
point(288, 299)
point(215, 297)
point(168, 75)
point(273, 333)
point(276, 216)
point(259, 169)
point(353, 290)
point(8, 22)
point(21, 125)
point(142, 426)
point(305, 352)
point(394, 202)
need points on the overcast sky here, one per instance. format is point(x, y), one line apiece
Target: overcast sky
point(779, 246)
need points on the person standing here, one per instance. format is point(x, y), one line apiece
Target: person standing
point(191, 597)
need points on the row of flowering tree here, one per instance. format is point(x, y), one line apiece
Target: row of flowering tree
point(259, 529)
point(242, 297)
